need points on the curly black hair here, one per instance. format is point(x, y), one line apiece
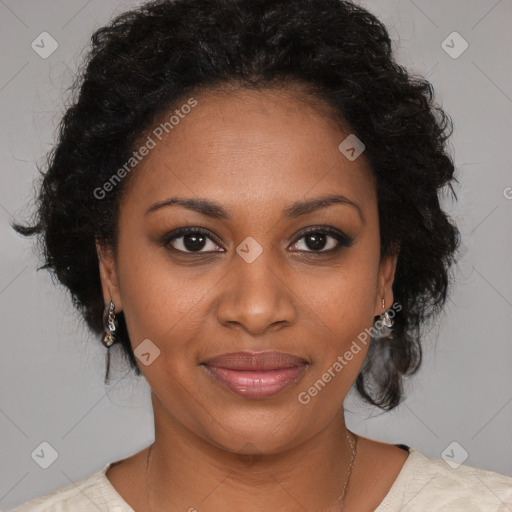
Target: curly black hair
point(146, 60)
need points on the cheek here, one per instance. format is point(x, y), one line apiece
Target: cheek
point(342, 307)
point(342, 300)
point(343, 313)
point(158, 297)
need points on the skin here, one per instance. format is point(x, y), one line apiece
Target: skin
point(254, 153)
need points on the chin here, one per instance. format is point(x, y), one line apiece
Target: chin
point(260, 432)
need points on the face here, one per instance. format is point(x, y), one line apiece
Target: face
point(252, 279)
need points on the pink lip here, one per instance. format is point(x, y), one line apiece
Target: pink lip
point(256, 374)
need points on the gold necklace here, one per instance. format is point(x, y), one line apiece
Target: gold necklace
point(353, 446)
point(341, 499)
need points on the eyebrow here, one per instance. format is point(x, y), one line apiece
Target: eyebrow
point(216, 211)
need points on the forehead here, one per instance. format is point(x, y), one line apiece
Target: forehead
point(249, 147)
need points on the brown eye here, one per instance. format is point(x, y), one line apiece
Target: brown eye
point(190, 240)
point(323, 241)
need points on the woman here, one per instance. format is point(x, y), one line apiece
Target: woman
point(245, 197)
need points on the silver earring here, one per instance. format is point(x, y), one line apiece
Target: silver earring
point(109, 327)
point(386, 319)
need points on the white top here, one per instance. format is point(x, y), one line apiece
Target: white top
point(423, 485)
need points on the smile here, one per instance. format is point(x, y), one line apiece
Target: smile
point(256, 375)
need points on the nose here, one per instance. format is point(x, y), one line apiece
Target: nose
point(256, 296)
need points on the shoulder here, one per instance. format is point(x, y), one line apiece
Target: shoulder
point(91, 493)
point(426, 484)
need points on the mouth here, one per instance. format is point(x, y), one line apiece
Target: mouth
point(256, 375)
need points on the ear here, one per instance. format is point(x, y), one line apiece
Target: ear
point(108, 276)
point(385, 281)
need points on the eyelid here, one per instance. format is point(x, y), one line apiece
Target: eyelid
point(343, 240)
point(324, 229)
point(180, 232)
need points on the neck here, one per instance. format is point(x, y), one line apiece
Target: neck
point(186, 472)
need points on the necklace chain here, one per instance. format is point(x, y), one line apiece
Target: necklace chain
point(341, 499)
point(353, 446)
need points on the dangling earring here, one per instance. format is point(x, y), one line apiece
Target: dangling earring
point(109, 327)
point(386, 319)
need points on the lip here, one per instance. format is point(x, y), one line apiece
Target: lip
point(256, 375)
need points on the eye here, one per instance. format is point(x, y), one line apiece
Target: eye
point(193, 240)
point(317, 240)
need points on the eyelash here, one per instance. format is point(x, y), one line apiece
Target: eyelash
point(342, 239)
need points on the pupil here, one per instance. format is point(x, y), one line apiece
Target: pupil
point(318, 241)
point(194, 242)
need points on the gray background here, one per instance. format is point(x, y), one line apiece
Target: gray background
point(52, 369)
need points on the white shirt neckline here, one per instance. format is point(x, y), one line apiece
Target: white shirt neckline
point(414, 455)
